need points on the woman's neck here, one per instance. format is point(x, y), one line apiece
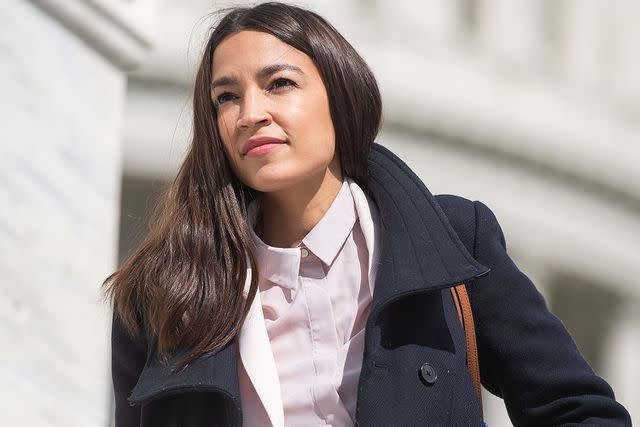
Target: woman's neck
point(287, 216)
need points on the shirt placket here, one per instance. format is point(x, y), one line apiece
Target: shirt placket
point(324, 340)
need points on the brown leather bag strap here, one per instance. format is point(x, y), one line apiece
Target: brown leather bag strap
point(463, 306)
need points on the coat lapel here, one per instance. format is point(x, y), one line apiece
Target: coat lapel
point(258, 361)
point(218, 372)
point(211, 373)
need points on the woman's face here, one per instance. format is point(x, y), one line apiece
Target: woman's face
point(264, 87)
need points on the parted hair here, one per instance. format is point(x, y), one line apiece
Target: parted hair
point(182, 287)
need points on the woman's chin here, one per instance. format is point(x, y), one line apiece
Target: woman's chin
point(269, 183)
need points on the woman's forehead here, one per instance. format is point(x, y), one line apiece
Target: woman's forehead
point(253, 50)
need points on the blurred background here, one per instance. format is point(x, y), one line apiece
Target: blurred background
point(531, 106)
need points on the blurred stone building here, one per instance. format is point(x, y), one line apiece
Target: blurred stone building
point(531, 106)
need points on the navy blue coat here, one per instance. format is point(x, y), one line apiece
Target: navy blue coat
point(428, 245)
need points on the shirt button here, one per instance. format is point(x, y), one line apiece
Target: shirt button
point(304, 252)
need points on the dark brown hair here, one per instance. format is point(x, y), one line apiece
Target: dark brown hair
point(183, 286)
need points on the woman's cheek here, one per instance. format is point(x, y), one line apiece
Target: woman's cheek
point(224, 129)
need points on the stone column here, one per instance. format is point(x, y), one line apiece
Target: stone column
point(63, 85)
point(622, 69)
point(424, 25)
point(583, 42)
point(512, 31)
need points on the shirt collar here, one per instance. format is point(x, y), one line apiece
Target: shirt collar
point(328, 236)
point(282, 265)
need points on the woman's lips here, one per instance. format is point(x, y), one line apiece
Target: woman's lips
point(263, 149)
point(261, 145)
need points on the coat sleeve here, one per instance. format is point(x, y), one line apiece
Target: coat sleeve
point(526, 355)
point(128, 357)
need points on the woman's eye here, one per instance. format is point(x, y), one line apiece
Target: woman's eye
point(282, 82)
point(275, 85)
point(224, 97)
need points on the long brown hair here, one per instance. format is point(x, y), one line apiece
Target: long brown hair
point(183, 286)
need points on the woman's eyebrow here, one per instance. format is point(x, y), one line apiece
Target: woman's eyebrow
point(262, 74)
point(223, 81)
point(274, 68)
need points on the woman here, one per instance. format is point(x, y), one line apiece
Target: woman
point(299, 274)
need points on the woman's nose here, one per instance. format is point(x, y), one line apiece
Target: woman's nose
point(253, 112)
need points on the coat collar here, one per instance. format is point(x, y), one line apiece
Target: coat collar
point(419, 248)
point(210, 373)
point(415, 248)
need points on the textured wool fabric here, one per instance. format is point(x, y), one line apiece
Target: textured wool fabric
point(315, 300)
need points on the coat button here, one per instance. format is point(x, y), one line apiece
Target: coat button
point(428, 374)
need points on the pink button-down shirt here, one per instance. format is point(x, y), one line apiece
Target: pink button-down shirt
point(315, 301)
